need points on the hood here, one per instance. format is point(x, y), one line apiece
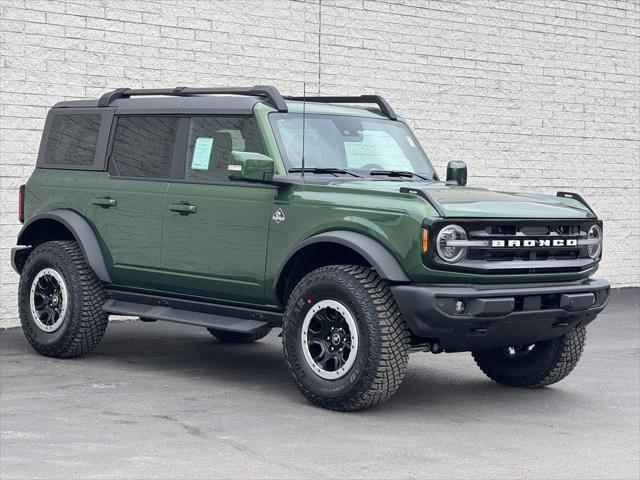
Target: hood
point(457, 201)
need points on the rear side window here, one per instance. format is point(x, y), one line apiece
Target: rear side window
point(143, 146)
point(72, 139)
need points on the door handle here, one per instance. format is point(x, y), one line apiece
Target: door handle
point(183, 208)
point(104, 202)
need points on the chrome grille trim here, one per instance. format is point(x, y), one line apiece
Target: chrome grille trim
point(487, 244)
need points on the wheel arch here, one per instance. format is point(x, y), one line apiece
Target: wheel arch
point(334, 247)
point(61, 224)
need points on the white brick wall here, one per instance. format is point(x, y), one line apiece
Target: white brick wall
point(537, 95)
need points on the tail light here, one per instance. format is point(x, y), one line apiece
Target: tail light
point(21, 204)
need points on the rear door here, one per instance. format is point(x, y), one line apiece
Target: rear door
point(214, 239)
point(127, 203)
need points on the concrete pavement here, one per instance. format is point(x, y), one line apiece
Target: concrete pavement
point(166, 401)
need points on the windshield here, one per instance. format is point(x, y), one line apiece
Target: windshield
point(360, 145)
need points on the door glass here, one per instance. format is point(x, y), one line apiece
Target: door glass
point(211, 141)
point(143, 146)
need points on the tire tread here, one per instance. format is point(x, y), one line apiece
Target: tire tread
point(91, 321)
point(391, 360)
point(560, 359)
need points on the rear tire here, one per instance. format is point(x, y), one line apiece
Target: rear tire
point(238, 337)
point(535, 366)
point(60, 301)
point(345, 342)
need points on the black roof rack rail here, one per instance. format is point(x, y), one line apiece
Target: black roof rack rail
point(270, 92)
point(377, 99)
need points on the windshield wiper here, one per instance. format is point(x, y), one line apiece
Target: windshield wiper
point(398, 173)
point(324, 170)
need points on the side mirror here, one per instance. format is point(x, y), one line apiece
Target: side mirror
point(457, 173)
point(250, 166)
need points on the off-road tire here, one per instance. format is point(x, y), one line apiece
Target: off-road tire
point(238, 337)
point(84, 322)
point(547, 363)
point(383, 350)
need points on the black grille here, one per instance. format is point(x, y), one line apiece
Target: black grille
point(522, 256)
point(537, 230)
point(535, 252)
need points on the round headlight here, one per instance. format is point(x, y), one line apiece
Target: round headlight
point(451, 253)
point(595, 232)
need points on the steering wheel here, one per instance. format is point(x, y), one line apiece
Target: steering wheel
point(372, 166)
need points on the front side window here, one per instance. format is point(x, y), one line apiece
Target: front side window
point(72, 139)
point(143, 146)
point(359, 144)
point(211, 141)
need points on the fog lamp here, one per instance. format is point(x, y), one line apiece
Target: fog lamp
point(460, 307)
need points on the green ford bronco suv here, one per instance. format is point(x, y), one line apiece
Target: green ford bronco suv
point(240, 210)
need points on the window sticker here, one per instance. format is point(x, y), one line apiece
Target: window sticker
point(201, 153)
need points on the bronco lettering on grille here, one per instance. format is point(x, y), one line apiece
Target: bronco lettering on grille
point(529, 243)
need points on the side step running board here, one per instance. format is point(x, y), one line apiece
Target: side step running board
point(189, 317)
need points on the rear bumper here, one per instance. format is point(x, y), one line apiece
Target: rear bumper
point(497, 316)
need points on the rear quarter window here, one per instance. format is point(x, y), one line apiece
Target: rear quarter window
point(75, 138)
point(72, 139)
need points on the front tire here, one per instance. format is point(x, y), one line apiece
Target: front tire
point(60, 301)
point(345, 342)
point(534, 366)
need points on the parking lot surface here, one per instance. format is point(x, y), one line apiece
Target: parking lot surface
point(157, 400)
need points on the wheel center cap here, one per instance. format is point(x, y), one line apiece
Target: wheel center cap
point(335, 338)
point(55, 300)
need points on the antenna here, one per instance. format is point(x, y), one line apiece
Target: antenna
point(304, 119)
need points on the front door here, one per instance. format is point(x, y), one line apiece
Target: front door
point(214, 239)
point(127, 203)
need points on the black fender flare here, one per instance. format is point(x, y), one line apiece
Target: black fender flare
point(382, 261)
point(81, 231)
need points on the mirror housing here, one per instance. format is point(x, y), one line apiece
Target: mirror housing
point(250, 166)
point(457, 173)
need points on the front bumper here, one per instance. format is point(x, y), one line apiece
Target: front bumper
point(498, 316)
